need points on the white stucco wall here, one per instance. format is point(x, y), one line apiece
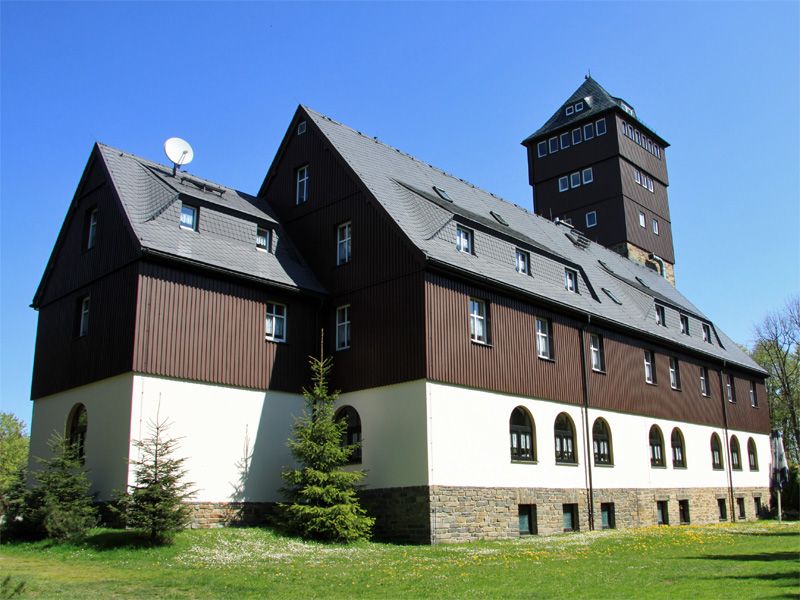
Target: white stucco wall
point(393, 425)
point(219, 426)
point(108, 410)
point(469, 446)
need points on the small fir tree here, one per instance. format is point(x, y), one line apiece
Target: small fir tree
point(60, 505)
point(322, 501)
point(155, 504)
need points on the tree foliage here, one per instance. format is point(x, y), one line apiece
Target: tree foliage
point(322, 501)
point(777, 349)
point(156, 503)
point(13, 453)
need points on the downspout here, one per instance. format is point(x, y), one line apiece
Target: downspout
point(728, 471)
point(585, 414)
point(660, 261)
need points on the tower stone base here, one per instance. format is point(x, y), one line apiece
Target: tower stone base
point(642, 257)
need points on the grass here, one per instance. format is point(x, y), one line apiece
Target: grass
point(745, 560)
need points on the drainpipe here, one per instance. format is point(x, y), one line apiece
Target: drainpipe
point(660, 261)
point(728, 471)
point(585, 414)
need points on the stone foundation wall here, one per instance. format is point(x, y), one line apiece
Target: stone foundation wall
point(642, 257)
point(206, 515)
point(401, 514)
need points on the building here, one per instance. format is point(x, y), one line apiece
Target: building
point(505, 373)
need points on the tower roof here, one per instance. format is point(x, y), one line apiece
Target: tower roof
point(595, 100)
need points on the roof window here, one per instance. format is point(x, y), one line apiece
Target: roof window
point(612, 296)
point(442, 194)
point(640, 280)
point(499, 218)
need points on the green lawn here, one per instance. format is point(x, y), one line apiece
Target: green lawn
point(746, 560)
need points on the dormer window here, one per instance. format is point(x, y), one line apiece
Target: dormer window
point(684, 325)
point(262, 239)
point(706, 333)
point(579, 107)
point(523, 262)
point(464, 239)
point(188, 217)
point(571, 280)
point(661, 316)
point(570, 110)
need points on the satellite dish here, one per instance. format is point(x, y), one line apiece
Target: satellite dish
point(179, 152)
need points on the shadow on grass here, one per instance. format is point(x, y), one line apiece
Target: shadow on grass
point(113, 540)
point(766, 533)
point(793, 576)
point(764, 556)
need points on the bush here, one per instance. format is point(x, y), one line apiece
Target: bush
point(322, 496)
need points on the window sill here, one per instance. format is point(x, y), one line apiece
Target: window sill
point(274, 340)
point(566, 464)
point(604, 465)
point(676, 389)
point(652, 466)
point(479, 343)
point(737, 469)
point(343, 349)
point(599, 371)
point(344, 264)
point(705, 395)
point(653, 383)
point(718, 468)
point(546, 359)
point(522, 461)
point(683, 467)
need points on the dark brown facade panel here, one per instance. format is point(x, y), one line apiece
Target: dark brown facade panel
point(199, 328)
point(387, 327)
point(610, 219)
point(656, 201)
point(742, 415)
point(62, 359)
point(605, 185)
point(635, 153)
point(510, 363)
point(644, 237)
point(75, 265)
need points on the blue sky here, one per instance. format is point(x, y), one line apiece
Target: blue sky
point(458, 85)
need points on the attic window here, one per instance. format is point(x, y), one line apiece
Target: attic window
point(570, 110)
point(640, 280)
point(579, 107)
point(499, 218)
point(612, 296)
point(442, 194)
point(301, 128)
point(262, 239)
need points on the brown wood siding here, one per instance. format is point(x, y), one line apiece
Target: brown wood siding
point(62, 360)
point(742, 415)
point(387, 329)
point(510, 364)
point(582, 155)
point(655, 201)
point(380, 252)
point(610, 228)
point(75, 266)
point(605, 186)
point(644, 237)
point(640, 156)
point(195, 327)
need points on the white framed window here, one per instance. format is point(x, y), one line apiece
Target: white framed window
point(188, 217)
point(553, 144)
point(544, 338)
point(753, 395)
point(642, 220)
point(579, 106)
point(661, 315)
point(591, 219)
point(570, 110)
point(684, 325)
point(301, 190)
point(571, 280)
point(83, 317)
point(730, 389)
point(674, 373)
point(596, 352)
point(344, 243)
point(523, 260)
point(541, 149)
point(630, 130)
point(655, 226)
point(706, 333)
point(565, 140)
point(704, 381)
point(92, 229)
point(588, 175)
point(576, 136)
point(301, 128)
point(575, 179)
point(463, 239)
point(588, 131)
point(478, 321)
point(263, 239)
point(563, 184)
point(343, 327)
point(650, 184)
point(637, 176)
point(275, 322)
point(649, 369)
point(600, 126)
point(636, 137)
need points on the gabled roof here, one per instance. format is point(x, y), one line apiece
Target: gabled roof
point(151, 200)
point(596, 100)
point(404, 186)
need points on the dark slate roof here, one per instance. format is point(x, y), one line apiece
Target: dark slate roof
point(405, 188)
point(597, 100)
point(227, 224)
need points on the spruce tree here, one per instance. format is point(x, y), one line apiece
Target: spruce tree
point(322, 501)
point(155, 504)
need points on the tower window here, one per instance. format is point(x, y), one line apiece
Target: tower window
point(565, 140)
point(576, 136)
point(600, 126)
point(575, 179)
point(588, 131)
point(642, 220)
point(579, 107)
point(553, 144)
point(591, 219)
point(637, 176)
point(563, 184)
point(655, 226)
point(570, 110)
point(588, 175)
point(541, 149)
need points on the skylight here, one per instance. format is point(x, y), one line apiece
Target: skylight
point(612, 296)
point(442, 194)
point(499, 218)
point(605, 266)
point(640, 280)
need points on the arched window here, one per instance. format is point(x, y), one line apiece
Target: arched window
point(76, 430)
point(716, 452)
point(520, 427)
point(601, 439)
point(565, 439)
point(752, 454)
point(736, 454)
point(678, 449)
point(656, 447)
point(352, 435)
